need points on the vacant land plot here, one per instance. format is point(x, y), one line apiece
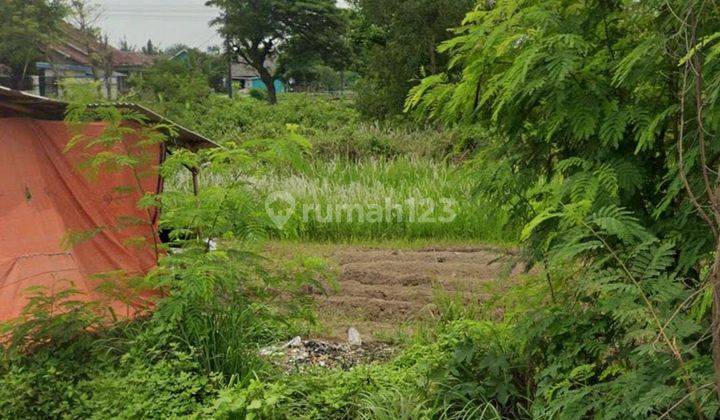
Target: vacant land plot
point(385, 290)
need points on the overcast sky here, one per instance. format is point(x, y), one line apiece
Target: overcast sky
point(166, 22)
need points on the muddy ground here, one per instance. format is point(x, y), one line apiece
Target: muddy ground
point(384, 292)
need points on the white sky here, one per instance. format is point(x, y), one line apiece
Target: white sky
point(166, 22)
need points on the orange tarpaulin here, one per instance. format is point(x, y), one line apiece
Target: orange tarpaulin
point(44, 197)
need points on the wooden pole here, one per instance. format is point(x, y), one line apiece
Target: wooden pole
point(230, 63)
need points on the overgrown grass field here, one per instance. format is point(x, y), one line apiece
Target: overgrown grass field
point(357, 180)
point(613, 322)
point(332, 125)
point(371, 199)
point(383, 199)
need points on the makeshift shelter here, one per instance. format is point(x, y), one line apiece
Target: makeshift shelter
point(59, 226)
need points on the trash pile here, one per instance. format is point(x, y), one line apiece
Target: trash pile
point(298, 355)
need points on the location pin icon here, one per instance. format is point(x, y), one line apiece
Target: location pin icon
point(280, 206)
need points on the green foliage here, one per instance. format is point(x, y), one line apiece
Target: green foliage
point(430, 380)
point(171, 83)
point(25, 28)
point(576, 119)
point(619, 341)
point(320, 78)
point(215, 303)
point(582, 108)
point(573, 110)
point(602, 357)
point(48, 351)
point(572, 113)
point(340, 200)
point(396, 44)
point(84, 379)
point(258, 32)
point(222, 303)
point(223, 119)
point(335, 200)
point(258, 94)
point(174, 386)
point(332, 125)
point(232, 194)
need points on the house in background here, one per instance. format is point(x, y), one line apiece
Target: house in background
point(81, 57)
point(182, 56)
point(248, 77)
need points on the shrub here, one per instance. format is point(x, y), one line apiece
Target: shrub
point(258, 94)
point(174, 386)
point(456, 375)
point(332, 125)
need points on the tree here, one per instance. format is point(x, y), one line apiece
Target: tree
point(396, 44)
point(150, 48)
point(26, 27)
point(176, 81)
point(125, 45)
point(183, 78)
point(327, 59)
point(595, 107)
point(697, 124)
point(84, 15)
point(259, 30)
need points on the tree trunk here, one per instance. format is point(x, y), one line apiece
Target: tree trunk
point(270, 85)
point(715, 282)
point(433, 55)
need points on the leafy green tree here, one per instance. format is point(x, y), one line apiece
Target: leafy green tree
point(171, 84)
point(324, 64)
point(150, 48)
point(565, 102)
point(211, 62)
point(26, 27)
point(395, 43)
point(258, 31)
point(600, 111)
point(124, 45)
point(84, 16)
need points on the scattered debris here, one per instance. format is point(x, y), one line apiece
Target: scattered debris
point(298, 355)
point(295, 342)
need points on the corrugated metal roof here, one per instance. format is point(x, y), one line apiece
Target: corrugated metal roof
point(14, 103)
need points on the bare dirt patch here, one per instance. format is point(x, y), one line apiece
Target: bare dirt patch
point(383, 291)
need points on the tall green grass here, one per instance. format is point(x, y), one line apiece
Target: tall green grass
point(350, 189)
point(370, 187)
point(354, 163)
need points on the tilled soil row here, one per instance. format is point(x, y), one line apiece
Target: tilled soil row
point(382, 289)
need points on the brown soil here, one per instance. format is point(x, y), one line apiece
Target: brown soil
point(384, 291)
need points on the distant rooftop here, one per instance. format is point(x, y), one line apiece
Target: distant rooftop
point(14, 103)
point(77, 47)
point(243, 70)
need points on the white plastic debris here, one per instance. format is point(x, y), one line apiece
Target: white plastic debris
point(354, 337)
point(295, 342)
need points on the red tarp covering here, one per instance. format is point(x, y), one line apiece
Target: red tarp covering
point(44, 196)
